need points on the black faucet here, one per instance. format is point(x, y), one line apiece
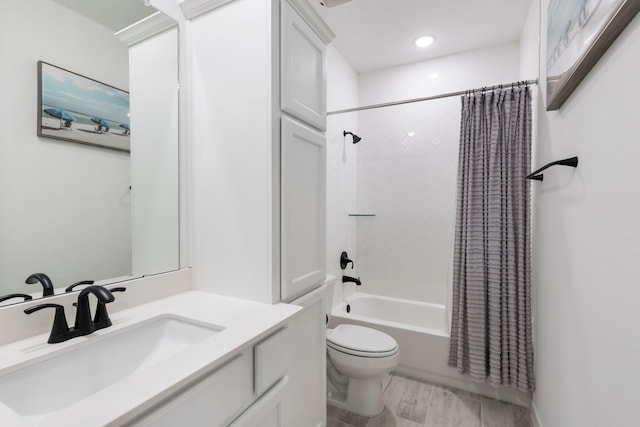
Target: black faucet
point(346, 279)
point(47, 285)
point(83, 312)
point(60, 330)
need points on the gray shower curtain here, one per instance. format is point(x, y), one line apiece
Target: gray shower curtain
point(491, 334)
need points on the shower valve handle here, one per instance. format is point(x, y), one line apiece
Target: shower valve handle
point(344, 260)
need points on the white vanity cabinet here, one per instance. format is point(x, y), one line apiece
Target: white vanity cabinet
point(245, 391)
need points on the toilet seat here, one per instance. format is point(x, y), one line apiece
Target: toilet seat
point(361, 341)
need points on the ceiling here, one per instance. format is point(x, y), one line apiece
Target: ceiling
point(376, 34)
point(113, 14)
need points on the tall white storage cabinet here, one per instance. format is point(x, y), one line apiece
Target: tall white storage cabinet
point(258, 69)
point(303, 156)
point(258, 115)
point(303, 213)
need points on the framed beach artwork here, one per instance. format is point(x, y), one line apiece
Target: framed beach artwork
point(75, 108)
point(578, 33)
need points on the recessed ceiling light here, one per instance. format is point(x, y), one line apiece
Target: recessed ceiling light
point(434, 75)
point(424, 41)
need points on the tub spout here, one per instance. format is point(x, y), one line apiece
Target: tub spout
point(346, 279)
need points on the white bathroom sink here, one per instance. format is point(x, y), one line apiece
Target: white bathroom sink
point(63, 378)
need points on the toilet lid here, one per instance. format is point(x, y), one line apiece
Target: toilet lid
point(361, 341)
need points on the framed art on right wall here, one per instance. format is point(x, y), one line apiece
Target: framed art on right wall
point(578, 33)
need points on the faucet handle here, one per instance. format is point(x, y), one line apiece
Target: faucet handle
point(83, 282)
point(60, 329)
point(25, 297)
point(101, 318)
point(344, 260)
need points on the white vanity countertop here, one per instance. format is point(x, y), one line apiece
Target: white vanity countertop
point(245, 322)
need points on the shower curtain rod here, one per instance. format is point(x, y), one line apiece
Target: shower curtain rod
point(428, 98)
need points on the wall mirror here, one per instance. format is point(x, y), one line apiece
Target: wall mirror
point(79, 212)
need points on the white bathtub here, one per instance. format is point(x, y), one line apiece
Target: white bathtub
point(422, 332)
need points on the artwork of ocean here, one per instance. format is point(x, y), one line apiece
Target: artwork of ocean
point(79, 109)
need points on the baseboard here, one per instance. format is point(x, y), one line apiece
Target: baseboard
point(338, 403)
point(535, 418)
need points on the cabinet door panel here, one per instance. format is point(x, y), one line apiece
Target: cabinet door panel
point(302, 209)
point(306, 392)
point(303, 73)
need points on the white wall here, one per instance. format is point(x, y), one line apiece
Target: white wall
point(530, 43)
point(407, 170)
point(65, 206)
point(588, 248)
point(342, 164)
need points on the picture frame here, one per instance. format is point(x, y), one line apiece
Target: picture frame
point(75, 108)
point(578, 33)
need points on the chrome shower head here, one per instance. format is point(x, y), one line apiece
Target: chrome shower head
point(356, 138)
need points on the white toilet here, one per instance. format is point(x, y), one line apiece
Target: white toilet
point(363, 356)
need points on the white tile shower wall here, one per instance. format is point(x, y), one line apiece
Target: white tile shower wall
point(407, 170)
point(342, 92)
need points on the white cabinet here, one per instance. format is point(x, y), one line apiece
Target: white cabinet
point(303, 212)
point(254, 379)
point(303, 70)
point(253, 64)
point(271, 361)
point(213, 401)
point(267, 411)
point(258, 156)
point(306, 398)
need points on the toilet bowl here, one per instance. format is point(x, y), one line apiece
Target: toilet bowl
point(364, 356)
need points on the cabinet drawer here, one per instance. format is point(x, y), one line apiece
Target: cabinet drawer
point(271, 360)
point(211, 402)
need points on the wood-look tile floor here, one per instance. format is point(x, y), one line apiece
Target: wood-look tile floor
point(410, 402)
